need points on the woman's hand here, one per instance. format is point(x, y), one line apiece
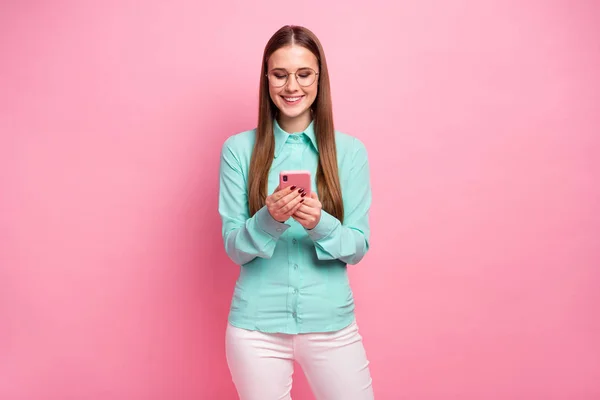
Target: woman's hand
point(283, 203)
point(309, 212)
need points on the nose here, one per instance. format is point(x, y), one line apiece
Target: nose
point(292, 84)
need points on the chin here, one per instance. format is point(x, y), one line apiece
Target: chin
point(293, 114)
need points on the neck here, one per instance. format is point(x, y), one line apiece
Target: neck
point(295, 124)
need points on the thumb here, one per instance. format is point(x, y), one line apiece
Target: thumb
point(313, 195)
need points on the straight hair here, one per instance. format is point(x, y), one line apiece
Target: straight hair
point(327, 179)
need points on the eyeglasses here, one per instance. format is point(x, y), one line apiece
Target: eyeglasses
point(304, 77)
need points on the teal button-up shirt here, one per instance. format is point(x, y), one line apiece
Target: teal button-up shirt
point(293, 280)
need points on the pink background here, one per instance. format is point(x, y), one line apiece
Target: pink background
point(481, 119)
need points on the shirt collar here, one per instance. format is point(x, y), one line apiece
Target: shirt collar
point(281, 136)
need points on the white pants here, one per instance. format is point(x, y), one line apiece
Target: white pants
point(335, 364)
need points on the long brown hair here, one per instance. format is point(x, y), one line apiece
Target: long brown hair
point(327, 179)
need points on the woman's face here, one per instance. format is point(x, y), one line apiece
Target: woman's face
point(292, 99)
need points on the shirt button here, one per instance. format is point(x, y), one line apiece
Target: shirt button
point(294, 314)
point(295, 291)
point(294, 241)
point(295, 266)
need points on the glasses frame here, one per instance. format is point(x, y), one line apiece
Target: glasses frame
point(287, 77)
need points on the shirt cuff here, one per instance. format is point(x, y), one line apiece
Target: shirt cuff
point(267, 223)
point(325, 226)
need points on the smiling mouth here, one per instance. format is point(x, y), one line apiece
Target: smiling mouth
point(292, 99)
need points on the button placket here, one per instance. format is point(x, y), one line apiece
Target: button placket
point(294, 278)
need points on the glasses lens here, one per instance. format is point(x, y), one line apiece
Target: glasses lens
point(306, 76)
point(277, 78)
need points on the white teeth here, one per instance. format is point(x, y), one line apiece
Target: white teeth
point(292, 98)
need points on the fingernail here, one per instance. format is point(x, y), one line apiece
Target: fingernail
point(293, 187)
point(302, 195)
point(300, 190)
point(301, 200)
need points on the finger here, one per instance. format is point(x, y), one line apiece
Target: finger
point(296, 208)
point(283, 192)
point(311, 203)
point(302, 221)
point(306, 209)
point(305, 222)
point(289, 197)
point(295, 204)
point(289, 207)
point(313, 195)
point(278, 193)
point(299, 214)
point(293, 210)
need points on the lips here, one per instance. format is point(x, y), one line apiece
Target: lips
point(292, 99)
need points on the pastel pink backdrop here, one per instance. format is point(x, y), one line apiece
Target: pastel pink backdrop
point(481, 119)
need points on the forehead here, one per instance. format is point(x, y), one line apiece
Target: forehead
point(292, 58)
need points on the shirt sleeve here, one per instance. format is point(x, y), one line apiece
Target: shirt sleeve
point(348, 242)
point(245, 237)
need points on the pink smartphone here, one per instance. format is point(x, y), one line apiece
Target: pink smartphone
point(298, 178)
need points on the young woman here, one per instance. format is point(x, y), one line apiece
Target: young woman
point(292, 300)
